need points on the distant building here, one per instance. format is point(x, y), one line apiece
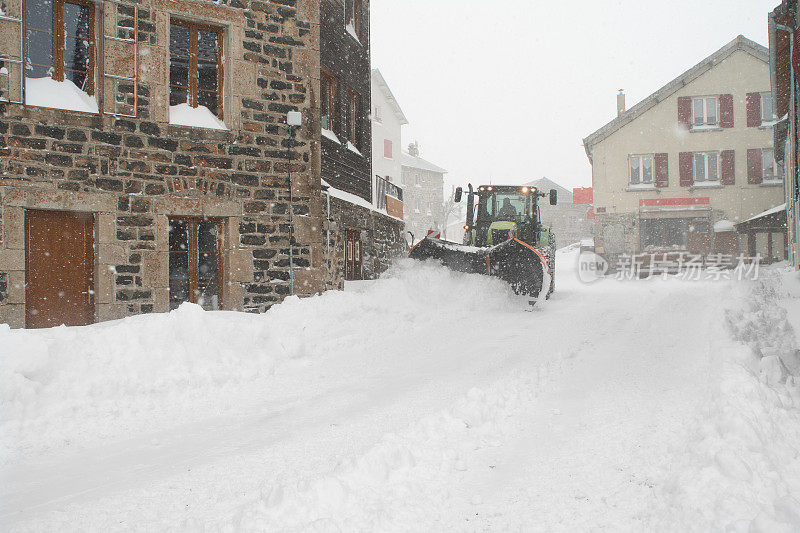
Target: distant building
point(694, 157)
point(568, 221)
point(784, 21)
point(423, 196)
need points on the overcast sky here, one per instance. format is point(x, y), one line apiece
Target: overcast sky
point(507, 90)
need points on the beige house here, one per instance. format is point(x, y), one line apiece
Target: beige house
point(679, 169)
point(423, 193)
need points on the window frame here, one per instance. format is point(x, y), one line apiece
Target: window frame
point(640, 158)
point(775, 176)
point(767, 96)
point(328, 97)
point(194, 257)
point(56, 35)
point(354, 108)
point(705, 121)
point(706, 167)
point(193, 90)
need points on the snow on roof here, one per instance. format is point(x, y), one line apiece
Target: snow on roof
point(411, 161)
point(776, 209)
point(351, 198)
point(739, 43)
point(380, 81)
point(721, 226)
point(545, 184)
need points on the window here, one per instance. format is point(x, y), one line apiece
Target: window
point(769, 170)
point(195, 69)
point(662, 233)
point(60, 54)
point(705, 111)
point(388, 149)
point(328, 90)
point(767, 107)
point(641, 169)
point(353, 107)
point(195, 262)
point(706, 166)
point(353, 16)
point(377, 114)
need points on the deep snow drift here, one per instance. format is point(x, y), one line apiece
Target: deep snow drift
point(428, 400)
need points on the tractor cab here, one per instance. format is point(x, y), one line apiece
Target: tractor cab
point(504, 212)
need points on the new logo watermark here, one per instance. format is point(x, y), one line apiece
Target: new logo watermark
point(591, 267)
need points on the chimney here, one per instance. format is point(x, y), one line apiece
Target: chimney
point(621, 102)
point(413, 149)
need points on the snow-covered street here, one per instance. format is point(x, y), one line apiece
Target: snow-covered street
point(425, 401)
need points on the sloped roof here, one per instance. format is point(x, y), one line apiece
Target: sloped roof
point(739, 43)
point(411, 161)
point(545, 184)
point(380, 81)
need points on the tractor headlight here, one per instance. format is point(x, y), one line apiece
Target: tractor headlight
point(525, 190)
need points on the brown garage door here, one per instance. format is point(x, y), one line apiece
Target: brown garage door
point(59, 257)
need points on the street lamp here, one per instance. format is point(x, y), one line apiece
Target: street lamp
point(294, 119)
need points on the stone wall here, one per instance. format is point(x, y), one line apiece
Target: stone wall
point(133, 173)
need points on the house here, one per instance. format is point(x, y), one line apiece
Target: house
point(361, 234)
point(387, 123)
point(146, 160)
point(423, 193)
point(569, 221)
point(784, 55)
point(695, 156)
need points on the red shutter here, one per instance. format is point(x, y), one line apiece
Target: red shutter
point(753, 110)
point(754, 165)
point(387, 148)
point(728, 168)
point(662, 170)
point(726, 110)
point(686, 168)
point(685, 111)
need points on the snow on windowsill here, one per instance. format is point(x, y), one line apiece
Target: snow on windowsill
point(352, 148)
point(641, 187)
point(47, 92)
point(356, 200)
point(771, 182)
point(196, 117)
point(767, 124)
point(330, 135)
point(351, 29)
point(706, 185)
point(706, 127)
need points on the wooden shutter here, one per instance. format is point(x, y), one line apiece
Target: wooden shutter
point(662, 170)
point(685, 111)
point(119, 56)
point(754, 166)
point(686, 168)
point(753, 110)
point(726, 110)
point(11, 44)
point(728, 169)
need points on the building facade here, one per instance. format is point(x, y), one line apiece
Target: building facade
point(679, 169)
point(362, 238)
point(423, 190)
point(146, 162)
point(388, 120)
point(784, 51)
point(569, 222)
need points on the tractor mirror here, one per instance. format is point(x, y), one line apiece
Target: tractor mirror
point(553, 196)
point(459, 192)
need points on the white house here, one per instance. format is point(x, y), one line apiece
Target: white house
point(387, 122)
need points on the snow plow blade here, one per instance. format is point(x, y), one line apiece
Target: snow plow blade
point(518, 264)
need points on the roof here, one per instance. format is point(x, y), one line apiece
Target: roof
point(740, 43)
point(380, 81)
point(771, 218)
point(545, 184)
point(411, 161)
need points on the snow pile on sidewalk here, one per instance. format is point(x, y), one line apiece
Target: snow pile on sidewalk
point(75, 386)
point(740, 470)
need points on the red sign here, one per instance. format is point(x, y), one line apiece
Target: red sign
point(660, 202)
point(582, 196)
point(590, 214)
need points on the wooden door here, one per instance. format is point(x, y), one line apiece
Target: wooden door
point(353, 255)
point(59, 263)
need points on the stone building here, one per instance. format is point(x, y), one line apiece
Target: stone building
point(364, 225)
point(784, 22)
point(678, 170)
point(145, 162)
point(423, 193)
point(568, 220)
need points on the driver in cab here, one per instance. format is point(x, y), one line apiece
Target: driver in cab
point(507, 211)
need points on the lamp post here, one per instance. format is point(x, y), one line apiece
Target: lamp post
point(294, 119)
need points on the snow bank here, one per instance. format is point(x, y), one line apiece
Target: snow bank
point(198, 117)
point(47, 92)
point(75, 386)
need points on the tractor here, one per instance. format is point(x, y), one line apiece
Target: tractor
point(504, 237)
